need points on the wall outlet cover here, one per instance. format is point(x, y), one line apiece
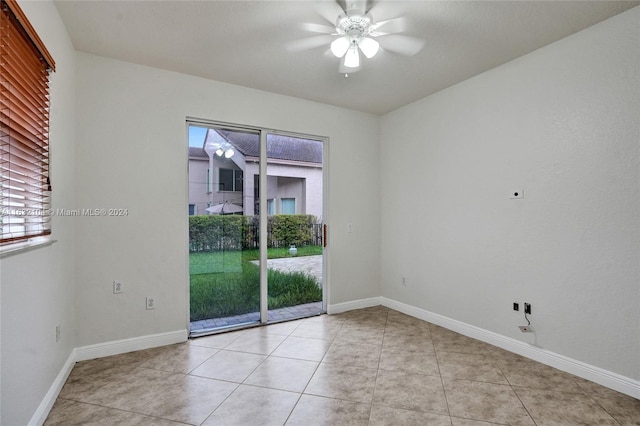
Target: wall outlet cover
point(526, 328)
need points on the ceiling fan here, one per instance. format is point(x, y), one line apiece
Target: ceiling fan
point(357, 33)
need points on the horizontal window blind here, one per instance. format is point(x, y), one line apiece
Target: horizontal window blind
point(24, 129)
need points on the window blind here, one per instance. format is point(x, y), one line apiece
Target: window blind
point(24, 128)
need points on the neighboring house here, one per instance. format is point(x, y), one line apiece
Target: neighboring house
point(294, 174)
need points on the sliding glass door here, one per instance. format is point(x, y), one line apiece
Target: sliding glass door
point(295, 225)
point(251, 261)
point(223, 230)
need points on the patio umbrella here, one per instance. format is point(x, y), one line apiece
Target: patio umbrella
point(225, 208)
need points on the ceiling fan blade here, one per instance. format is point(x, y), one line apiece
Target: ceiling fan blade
point(390, 26)
point(309, 43)
point(402, 44)
point(317, 28)
point(329, 10)
point(369, 4)
point(359, 6)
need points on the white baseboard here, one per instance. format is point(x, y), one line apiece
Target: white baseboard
point(595, 374)
point(356, 304)
point(117, 347)
point(98, 351)
point(49, 399)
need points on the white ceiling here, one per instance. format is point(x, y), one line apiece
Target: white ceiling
point(258, 43)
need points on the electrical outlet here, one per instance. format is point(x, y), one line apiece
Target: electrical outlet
point(58, 333)
point(150, 303)
point(117, 287)
point(404, 281)
point(527, 308)
point(526, 328)
point(516, 306)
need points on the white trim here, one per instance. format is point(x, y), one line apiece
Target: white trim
point(595, 374)
point(355, 304)
point(49, 399)
point(98, 351)
point(263, 229)
point(117, 347)
point(22, 246)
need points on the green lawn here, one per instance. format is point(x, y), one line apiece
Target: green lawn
point(227, 283)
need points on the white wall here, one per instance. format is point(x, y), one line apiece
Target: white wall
point(561, 124)
point(131, 153)
point(37, 287)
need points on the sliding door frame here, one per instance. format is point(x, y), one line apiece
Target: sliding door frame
point(263, 132)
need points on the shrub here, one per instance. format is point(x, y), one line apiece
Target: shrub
point(235, 232)
point(290, 229)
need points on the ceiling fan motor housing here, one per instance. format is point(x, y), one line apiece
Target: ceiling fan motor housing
point(354, 24)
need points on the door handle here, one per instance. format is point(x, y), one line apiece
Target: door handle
point(324, 236)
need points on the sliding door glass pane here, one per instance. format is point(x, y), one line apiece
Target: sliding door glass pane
point(295, 252)
point(223, 230)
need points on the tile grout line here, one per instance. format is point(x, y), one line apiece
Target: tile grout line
point(444, 390)
point(375, 383)
point(375, 319)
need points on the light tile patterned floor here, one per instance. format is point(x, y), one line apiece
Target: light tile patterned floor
point(372, 366)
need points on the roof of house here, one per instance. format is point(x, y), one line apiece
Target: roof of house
point(197, 152)
point(278, 147)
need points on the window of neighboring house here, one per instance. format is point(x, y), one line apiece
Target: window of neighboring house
point(230, 180)
point(288, 206)
point(24, 128)
point(192, 209)
point(271, 207)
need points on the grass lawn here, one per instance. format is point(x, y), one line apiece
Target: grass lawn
point(227, 283)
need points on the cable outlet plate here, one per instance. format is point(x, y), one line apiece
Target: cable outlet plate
point(526, 328)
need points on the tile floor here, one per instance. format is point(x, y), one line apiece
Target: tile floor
point(372, 366)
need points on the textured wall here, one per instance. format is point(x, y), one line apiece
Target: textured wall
point(561, 124)
point(38, 286)
point(132, 154)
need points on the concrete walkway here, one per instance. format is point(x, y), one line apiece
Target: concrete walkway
point(310, 265)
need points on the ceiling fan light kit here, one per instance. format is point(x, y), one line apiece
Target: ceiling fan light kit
point(220, 149)
point(355, 30)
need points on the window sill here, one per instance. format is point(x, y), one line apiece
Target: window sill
point(23, 246)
